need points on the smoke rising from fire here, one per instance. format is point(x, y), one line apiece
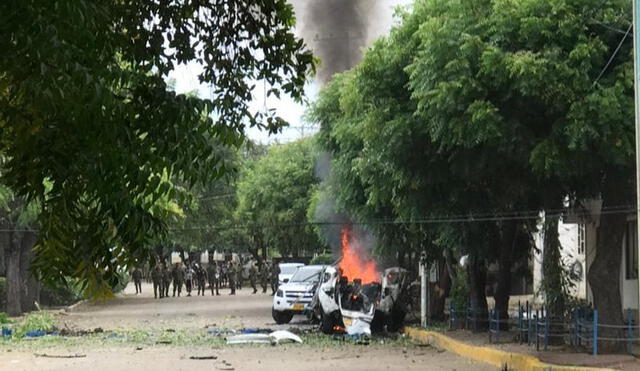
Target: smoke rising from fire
point(337, 30)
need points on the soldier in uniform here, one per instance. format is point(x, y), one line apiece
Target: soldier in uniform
point(238, 269)
point(137, 279)
point(232, 275)
point(166, 279)
point(275, 273)
point(214, 277)
point(264, 276)
point(201, 276)
point(253, 277)
point(177, 274)
point(188, 279)
point(156, 277)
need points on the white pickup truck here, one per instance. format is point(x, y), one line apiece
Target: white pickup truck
point(294, 296)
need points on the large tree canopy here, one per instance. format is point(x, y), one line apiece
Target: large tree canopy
point(274, 193)
point(488, 112)
point(84, 107)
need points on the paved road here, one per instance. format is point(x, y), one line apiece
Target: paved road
point(130, 311)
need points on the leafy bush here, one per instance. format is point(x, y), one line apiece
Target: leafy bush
point(459, 290)
point(36, 321)
point(323, 259)
point(59, 295)
point(4, 318)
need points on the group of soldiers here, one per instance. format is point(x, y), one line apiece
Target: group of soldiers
point(216, 275)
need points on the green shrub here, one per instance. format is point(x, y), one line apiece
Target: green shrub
point(459, 290)
point(4, 318)
point(36, 321)
point(61, 294)
point(323, 259)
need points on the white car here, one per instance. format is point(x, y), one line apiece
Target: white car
point(294, 297)
point(286, 271)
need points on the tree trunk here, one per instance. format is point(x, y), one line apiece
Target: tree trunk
point(505, 263)
point(604, 273)
point(30, 286)
point(477, 281)
point(14, 278)
point(441, 292)
point(553, 283)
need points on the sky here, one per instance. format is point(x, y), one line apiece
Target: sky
point(329, 30)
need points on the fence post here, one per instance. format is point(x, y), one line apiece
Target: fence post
point(528, 327)
point(497, 314)
point(579, 328)
point(574, 338)
point(629, 331)
point(595, 332)
point(537, 338)
point(466, 317)
point(546, 331)
point(451, 314)
point(475, 319)
point(490, 328)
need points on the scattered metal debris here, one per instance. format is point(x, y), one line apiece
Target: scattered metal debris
point(251, 339)
point(45, 355)
point(203, 357)
point(285, 336)
point(275, 337)
point(224, 365)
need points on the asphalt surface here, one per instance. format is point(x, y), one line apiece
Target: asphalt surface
point(129, 311)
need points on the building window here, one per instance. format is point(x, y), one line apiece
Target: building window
point(582, 238)
point(631, 250)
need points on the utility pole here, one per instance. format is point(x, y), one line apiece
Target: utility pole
point(636, 80)
point(425, 303)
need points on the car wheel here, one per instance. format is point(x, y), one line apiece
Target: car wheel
point(281, 317)
point(327, 323)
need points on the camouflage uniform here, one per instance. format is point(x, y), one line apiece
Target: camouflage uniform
point(264, 277)
point(253, 276)
point(137, 279)
point(232, 274)
point(188, 279)
point(178, 277)
point(214, 277)
point(166, 280)
point(275, 273)
point(156, 277)
point(201, 276)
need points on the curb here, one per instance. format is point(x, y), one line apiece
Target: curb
point(495, 357)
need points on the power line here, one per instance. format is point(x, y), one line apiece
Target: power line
point(470, 218)
point(615, 52)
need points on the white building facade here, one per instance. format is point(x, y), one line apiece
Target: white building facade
point(578, 237)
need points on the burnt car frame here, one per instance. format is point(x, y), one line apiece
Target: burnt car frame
point(347, 306)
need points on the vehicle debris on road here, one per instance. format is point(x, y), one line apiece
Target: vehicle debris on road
point(273, 338)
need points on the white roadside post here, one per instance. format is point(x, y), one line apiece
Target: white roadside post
point(636, 80)
point(423, 292)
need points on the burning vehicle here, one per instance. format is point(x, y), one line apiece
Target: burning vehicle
point(353, 297)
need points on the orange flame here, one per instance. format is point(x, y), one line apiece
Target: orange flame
point(353, 265)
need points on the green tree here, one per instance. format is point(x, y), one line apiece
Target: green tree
point(274, 193)
point(490, 108)
point(84, 105)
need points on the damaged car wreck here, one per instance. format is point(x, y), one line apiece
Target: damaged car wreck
point(359, 308)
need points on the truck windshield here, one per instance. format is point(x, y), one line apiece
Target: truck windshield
point(306, 275)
